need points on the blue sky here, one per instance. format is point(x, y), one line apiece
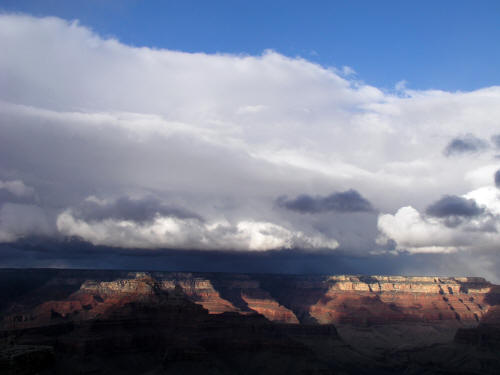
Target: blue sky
point(449, 45)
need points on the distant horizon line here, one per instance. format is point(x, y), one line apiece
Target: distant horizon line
point(130, 270)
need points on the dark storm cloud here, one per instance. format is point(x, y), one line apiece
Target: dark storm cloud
point(7, 196)
point(465, 145)
point(497, 179)
point(452, 205)
point(74, 253)
point(125, 208)
point(347, 201)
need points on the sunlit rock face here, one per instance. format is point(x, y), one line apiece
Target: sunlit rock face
point(342, 299)
point(389, 299)
point(243, 295)
point(99, 300)
point(354, 300)
point(346, 299)
point(486, 336)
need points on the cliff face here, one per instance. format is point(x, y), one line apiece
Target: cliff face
point(343, 299)
point(383, 299)
point(356, 300)
point(107, 322)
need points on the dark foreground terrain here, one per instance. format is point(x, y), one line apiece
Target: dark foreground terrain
point(115, 322)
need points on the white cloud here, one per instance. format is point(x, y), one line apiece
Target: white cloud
point(481, 176)
point(416, 232)
point(486, 196)
point(400, 85)
point(348, 71)
point(171, 232)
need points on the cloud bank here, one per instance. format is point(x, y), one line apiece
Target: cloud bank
point(149, 148)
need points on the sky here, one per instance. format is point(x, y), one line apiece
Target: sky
point(346, 137)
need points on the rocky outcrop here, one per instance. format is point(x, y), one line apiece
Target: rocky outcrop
point(385, 299)
point(99, 300)
point(341, 299)
point(242, 295)
point(262, 303)
point(200, 291)
point(356, 300)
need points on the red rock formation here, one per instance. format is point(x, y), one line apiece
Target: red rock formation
point(272, 310)
point(286, 299)
point(246, 291)
point(151, 323)
point(97, 299)
point(386, 299)
point(200, 291)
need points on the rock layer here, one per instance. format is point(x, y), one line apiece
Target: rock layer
point(357, 300)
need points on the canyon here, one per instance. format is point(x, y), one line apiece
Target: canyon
point(93, 322)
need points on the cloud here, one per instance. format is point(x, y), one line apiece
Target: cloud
point(495, 139)
point(81, 255)
point(412, 232)
point(347, 201)
point(189, 233)
point(347, 71)
point(190, 150)
point(17, 188)
point(487, 197)
point(20, 216)
point(465, 145)
point(21, 220)
point(497, 178)
point(444, 228)
point(138, 210)
point(452, 205)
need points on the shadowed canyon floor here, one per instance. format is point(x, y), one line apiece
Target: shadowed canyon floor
point(116, 322)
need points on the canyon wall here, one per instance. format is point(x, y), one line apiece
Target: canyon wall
point(341, 299)
point(117, 322)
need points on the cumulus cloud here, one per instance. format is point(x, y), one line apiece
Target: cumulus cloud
point(465, 145)
point(177, 233)
point(190, 150)
point(452, 205)
point(470, 222)
point(487, 197)
point(347, 201)
point(415, 233)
